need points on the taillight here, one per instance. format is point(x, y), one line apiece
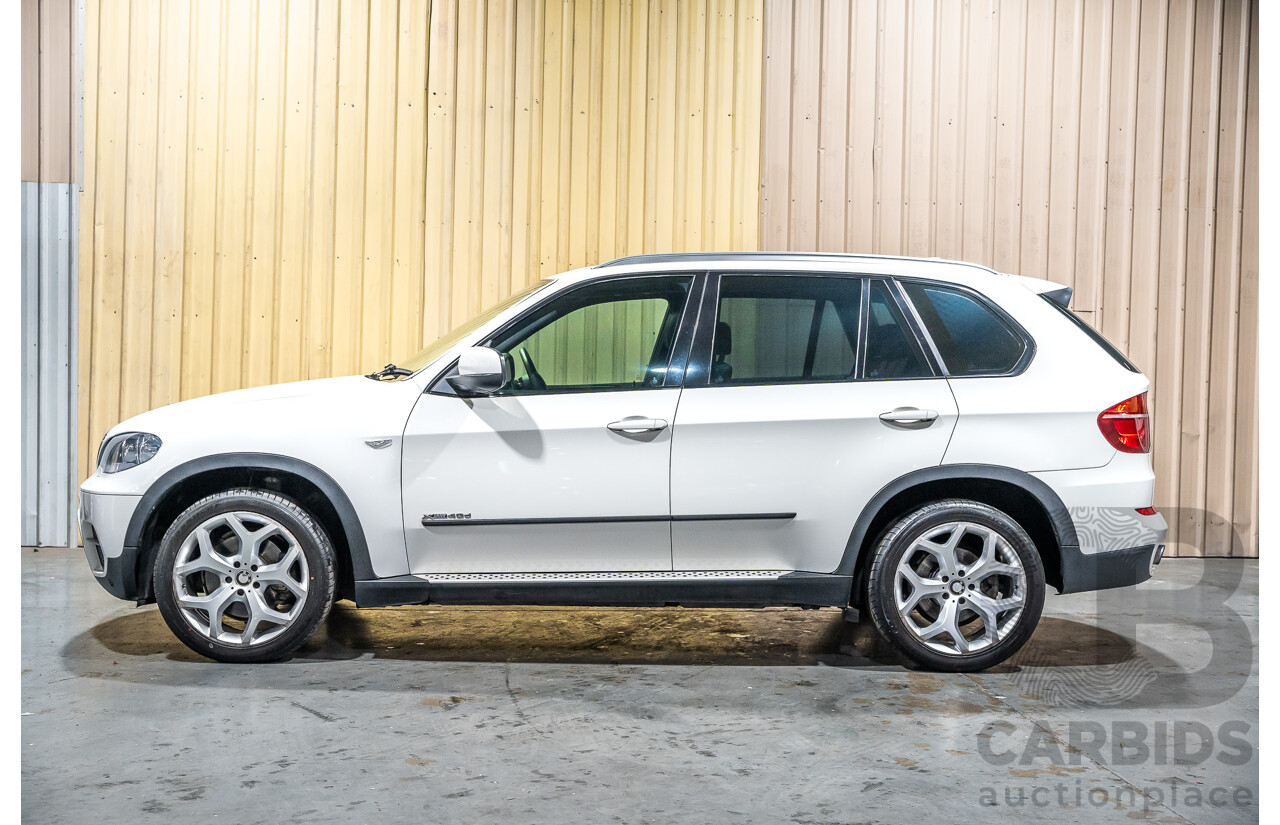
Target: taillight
point(1146, 511)
point(1127, 426)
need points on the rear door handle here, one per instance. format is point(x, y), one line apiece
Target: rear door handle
point(909, 415)
point(638, 424)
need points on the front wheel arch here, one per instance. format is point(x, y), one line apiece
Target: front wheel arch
point(305, 483)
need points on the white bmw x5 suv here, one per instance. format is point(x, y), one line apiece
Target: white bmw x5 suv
point(927, 440)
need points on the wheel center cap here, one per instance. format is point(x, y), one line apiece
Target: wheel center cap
point(957, 587)
point(243, 577)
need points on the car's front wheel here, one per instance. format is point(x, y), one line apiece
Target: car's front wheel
point(956, 585)
point(244, 576)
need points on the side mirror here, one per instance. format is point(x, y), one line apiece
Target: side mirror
point(481, 371)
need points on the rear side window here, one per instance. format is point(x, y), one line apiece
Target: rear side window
point(892, 348)
point(785, 329)
point(970, 337)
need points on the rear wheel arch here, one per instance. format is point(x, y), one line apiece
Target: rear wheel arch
point(1020, 495)
point(307, 485)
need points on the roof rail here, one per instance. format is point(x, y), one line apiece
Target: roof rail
point(689, 257)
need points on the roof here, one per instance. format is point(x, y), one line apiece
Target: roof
point(796, 259)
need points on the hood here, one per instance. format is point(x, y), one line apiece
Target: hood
point(293, 408)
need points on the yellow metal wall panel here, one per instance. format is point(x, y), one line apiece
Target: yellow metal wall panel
point(1245, 484)
point(1225, 293)
point(1108, 145)
point(170, 204)
point(409, 204)
point(277, 191)
point(298, 100)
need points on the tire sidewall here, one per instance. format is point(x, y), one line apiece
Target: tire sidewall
point(899, 538)
point(311, 539)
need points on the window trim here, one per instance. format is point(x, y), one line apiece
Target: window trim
point(923, 345)
point(699, 372)
point(439, 386)
point(1016, 329)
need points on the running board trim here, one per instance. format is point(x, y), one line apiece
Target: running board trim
point(710, 588)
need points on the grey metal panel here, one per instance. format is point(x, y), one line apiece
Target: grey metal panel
point(45, 433)
point(49, 378)
point(62, 279)
point(50, 233)
point(30, 356)
point(72, 435)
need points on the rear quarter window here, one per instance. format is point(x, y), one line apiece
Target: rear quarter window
point(1094, 335)
point(971, 338)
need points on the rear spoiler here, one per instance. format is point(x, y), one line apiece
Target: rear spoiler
point(1060, 296)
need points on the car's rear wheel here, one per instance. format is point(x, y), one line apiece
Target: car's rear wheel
point(244, 576)
point(956, 585)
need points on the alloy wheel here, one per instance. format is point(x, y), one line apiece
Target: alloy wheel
point(240, 579)
point(960, 588)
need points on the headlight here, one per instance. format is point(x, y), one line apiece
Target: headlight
point(127, 450)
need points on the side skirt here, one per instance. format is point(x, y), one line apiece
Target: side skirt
point(686, 589)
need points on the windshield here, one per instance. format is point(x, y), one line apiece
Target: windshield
point(442, 344)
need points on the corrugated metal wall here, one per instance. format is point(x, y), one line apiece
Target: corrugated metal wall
point(50, 164)
point(278, 191)
point(1112, 146)
point(282, 190)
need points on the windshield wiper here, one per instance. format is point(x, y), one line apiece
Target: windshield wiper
point(389, 372)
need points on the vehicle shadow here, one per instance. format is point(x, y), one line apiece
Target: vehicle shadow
point(609, 636)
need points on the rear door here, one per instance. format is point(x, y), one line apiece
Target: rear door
point(805, 395)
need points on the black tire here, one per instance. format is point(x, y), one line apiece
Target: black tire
point(320, 575)
point(902, 536)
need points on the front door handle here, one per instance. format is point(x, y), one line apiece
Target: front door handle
point(909, 415)
point(637, 424)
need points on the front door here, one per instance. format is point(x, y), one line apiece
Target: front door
point(567, 470)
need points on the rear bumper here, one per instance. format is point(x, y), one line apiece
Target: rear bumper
point(1115, 544)
point(1118, 547)
point(1082, 572)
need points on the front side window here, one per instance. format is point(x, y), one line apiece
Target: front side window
point(614, 335)
point(785, 329)
point(970, 337)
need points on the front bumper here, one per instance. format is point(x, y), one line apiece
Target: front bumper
point(103, 522)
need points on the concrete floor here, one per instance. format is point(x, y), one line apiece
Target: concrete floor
point(550, 715)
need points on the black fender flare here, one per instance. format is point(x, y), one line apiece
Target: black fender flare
point(361, 568)
point(1064, 530)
